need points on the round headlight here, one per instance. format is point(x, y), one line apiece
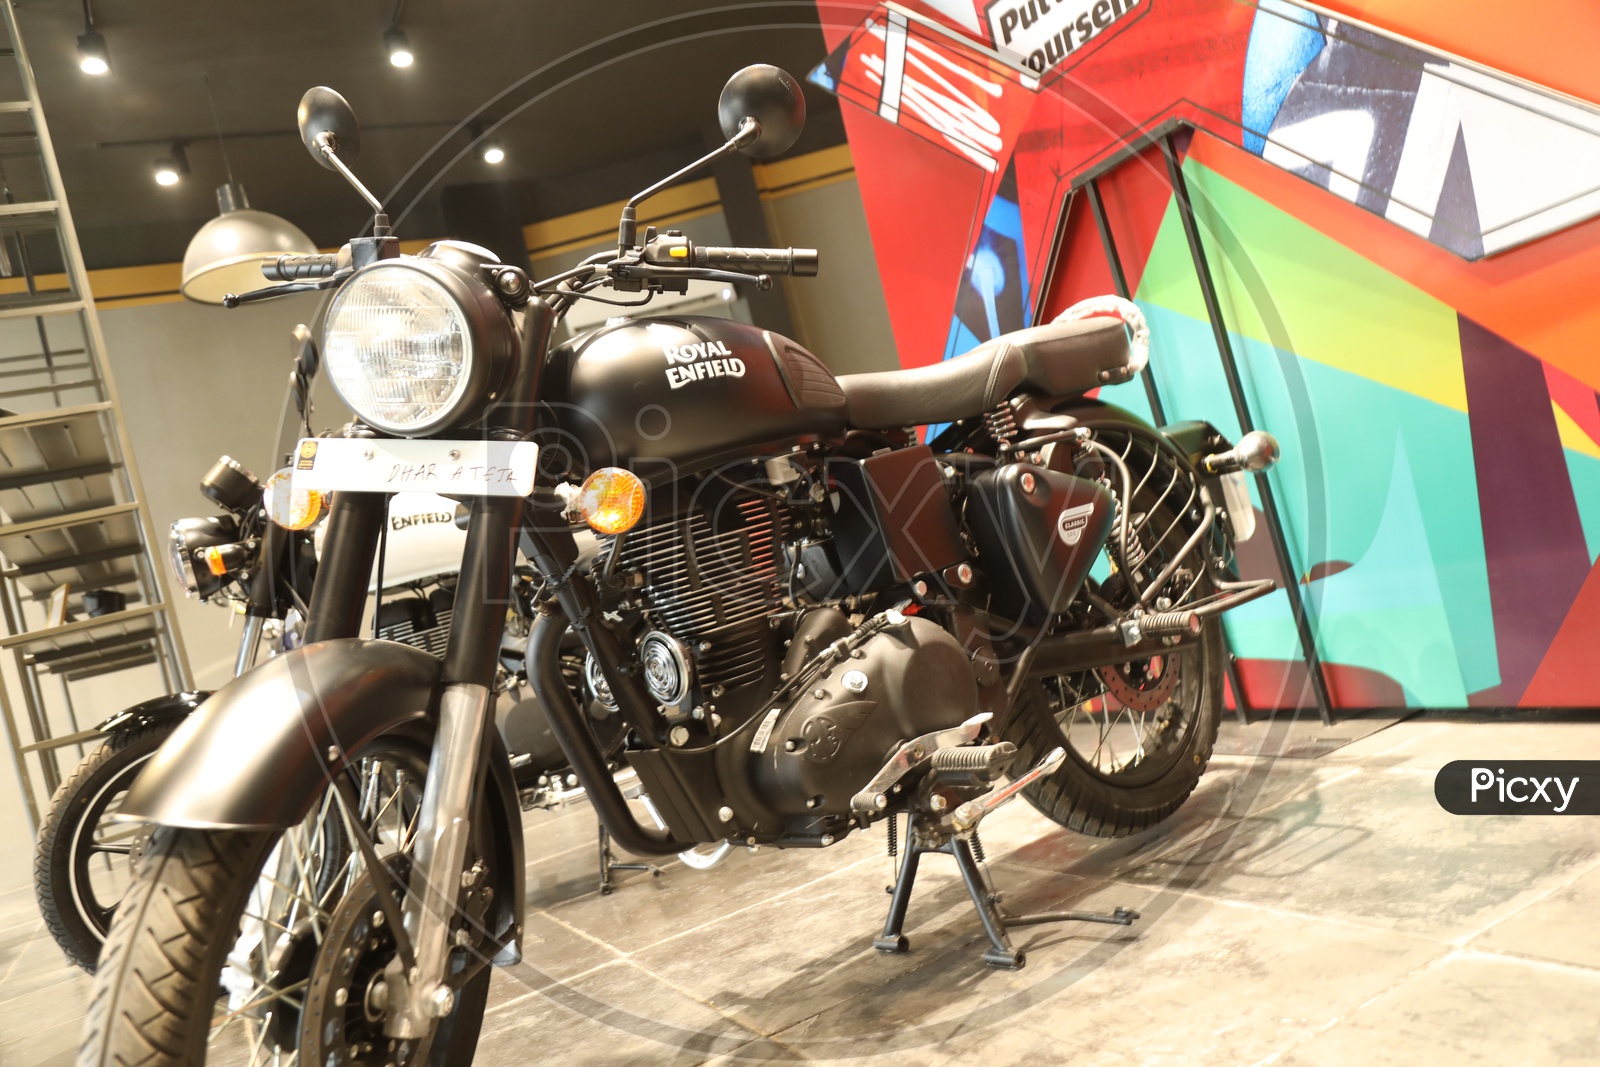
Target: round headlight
point(189, 540)
point(416, 346)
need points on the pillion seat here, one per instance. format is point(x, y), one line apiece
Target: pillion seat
point(1057, 359)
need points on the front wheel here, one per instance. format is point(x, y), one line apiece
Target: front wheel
point(84, 859)
point(266, 947)
point(1138, 737)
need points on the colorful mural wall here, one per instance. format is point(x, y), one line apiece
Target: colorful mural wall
point(1403, 243)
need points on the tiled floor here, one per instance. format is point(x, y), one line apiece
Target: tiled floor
point(1312, 909)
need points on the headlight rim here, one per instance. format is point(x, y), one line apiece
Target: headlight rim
point(185, 536)
point(491, 343)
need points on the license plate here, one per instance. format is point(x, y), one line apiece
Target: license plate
point(449, 468)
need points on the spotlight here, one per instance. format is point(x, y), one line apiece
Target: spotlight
point(174, 169)
point(399, 46)
point(493, 153)
point(93, 55)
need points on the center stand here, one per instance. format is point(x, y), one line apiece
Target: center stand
point(928, 834)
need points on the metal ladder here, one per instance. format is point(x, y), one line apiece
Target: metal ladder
point(82, 574)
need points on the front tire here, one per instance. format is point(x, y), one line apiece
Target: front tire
point(211, 955)
point(79, 876)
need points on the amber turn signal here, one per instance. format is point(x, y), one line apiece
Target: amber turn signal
point(291, 508)
point(611, 500)
point(215, 563)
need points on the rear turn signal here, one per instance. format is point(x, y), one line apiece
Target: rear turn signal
point(291, 508)
point(611, 500)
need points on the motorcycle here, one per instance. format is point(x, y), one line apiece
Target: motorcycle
point(804, 622)
point(263, 571)
point(83, 858)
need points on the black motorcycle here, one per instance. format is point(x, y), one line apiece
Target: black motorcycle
point(803, 622)
point(84, 858)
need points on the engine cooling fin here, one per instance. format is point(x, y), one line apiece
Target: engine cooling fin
point(711, 588)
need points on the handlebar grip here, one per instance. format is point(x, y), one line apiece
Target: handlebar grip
point(298, 268)
point(800, 262)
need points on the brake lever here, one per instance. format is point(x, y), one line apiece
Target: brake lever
point(651, 272)
point(233, 300)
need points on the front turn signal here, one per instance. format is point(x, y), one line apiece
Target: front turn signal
point(611, 500)
point(291, 508)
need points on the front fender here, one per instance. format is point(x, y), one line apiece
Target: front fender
point(160, 709)
point(256, 754)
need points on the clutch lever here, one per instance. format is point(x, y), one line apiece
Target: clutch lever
point(233, 300)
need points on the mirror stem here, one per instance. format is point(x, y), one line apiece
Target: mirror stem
point(380, 221)
point(627, 228)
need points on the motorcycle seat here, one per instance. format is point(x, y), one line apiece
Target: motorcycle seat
point(1055, 360)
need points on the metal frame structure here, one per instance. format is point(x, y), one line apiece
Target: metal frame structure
point(1089, 185)
point(69, 489)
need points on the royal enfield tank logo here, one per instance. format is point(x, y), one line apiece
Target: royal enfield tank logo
point(1043, 34)
point(1071, 523)
point(704, 359)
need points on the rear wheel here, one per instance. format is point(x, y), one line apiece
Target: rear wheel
point(231, 942)
point(84, 859)
point(1138, 737)
point(1138, 734)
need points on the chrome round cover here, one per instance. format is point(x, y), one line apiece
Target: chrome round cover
point(666, 667)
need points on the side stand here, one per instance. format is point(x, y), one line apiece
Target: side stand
point(1001, 954)
point(608, 863)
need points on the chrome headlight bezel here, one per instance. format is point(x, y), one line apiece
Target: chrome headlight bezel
point(490, 342)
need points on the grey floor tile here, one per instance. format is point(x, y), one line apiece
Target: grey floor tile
point(1199, 983)
point(1375, 848)
point(616, 1015)
point(1466, 1010)
point(1562, 927)
point(1427, 745)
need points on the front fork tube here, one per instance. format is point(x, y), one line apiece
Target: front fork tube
point(420, 997)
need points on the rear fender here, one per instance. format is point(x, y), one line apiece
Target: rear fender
point(258, 752)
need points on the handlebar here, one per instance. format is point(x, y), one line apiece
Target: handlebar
point(299, 268)
point(800, 262)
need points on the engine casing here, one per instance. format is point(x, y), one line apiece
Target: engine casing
point(809, 758)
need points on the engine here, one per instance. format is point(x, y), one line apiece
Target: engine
point(704, 582)
point(779, 683)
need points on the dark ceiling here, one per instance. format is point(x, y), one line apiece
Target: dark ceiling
point(612, 95)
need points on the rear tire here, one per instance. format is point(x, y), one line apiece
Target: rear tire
point(72, 896)
point(1090, 799)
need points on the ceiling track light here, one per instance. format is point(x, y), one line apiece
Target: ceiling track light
point(94, 57)
point(399, 47)
point(174, 168)
point(492, 151)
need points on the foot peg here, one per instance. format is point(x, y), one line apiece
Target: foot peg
point(970, 814)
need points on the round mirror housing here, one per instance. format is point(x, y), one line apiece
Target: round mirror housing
point(325, 118)
point(772, 98)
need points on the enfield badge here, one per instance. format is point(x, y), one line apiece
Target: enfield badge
point(1071, 522)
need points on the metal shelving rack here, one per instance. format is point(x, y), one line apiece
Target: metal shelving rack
point(70, 496)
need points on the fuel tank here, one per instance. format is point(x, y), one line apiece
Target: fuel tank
point(670, 396)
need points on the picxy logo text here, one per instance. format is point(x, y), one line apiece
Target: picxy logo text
point(1519, 787)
